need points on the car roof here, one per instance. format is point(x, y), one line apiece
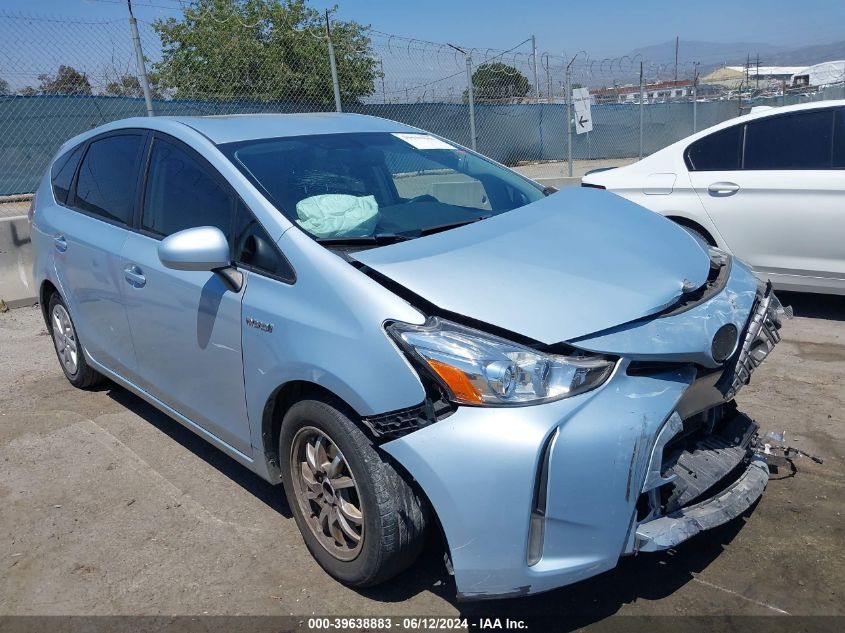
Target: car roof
point(244, 127)
point(762, 114)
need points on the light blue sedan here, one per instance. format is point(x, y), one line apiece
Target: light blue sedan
point(410, 337)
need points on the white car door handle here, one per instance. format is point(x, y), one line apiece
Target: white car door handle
point(723, 188)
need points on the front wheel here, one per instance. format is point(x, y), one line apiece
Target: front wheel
point(360, 519)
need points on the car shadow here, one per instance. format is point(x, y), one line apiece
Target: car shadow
point(270, 495)
point(814, 306)
point(646, 576)
point(642, 577)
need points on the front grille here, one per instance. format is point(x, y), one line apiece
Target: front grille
point(761, 336)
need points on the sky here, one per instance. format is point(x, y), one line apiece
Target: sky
point(612, 27)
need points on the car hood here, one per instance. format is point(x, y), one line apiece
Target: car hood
point(577, 262)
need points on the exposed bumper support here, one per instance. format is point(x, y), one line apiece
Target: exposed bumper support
point(672, 529)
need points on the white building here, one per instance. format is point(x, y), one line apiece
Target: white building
point(824, 74)
point(767, 73)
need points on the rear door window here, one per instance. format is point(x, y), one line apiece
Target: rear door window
point(793, 141)
point(720, 151)
point(108, 176)
point(182, 192)
point(61, 175)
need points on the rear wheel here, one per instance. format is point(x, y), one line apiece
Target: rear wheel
point(360, 519)
point(67, 346)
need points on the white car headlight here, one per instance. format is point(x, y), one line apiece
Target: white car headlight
point(481, 369)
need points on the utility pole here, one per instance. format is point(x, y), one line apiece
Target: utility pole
point(139, 61)
point(335, 84)
point(677, 44)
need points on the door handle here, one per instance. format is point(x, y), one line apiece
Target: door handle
point(134, 276)
point(723, 188)
point(60, 243)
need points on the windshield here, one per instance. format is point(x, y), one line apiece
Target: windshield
point(374, 187)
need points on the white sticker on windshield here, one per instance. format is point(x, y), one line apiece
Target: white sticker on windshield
point(423, 141)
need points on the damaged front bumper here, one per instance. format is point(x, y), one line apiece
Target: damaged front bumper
point(533, 498)
point(718, 458)
point(704, 485)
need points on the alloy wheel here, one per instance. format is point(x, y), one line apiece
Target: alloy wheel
point(64, 337)
point(327, 494)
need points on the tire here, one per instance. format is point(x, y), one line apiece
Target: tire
point(67, 346)
point(392, 519)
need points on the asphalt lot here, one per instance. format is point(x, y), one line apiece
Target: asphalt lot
point(109, 507)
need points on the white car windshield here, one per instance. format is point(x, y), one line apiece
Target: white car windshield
point(378, 187)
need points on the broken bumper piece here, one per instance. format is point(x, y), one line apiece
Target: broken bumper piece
point(670, 530)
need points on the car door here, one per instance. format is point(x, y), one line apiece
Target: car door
point(773, 191)
point(90, 225)
point(186, 325)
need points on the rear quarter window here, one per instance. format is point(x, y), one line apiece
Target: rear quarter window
point(61, 174)
point(720, 151)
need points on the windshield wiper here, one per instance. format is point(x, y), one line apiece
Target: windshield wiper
point(378, 239)
point(452, 225)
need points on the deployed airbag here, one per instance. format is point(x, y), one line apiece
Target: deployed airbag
point(338, 215)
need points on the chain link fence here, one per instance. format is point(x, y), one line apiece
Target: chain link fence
point(61, 77)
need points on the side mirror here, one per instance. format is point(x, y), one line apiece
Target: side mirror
point(199, 248)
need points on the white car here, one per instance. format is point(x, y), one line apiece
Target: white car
point(768, 187)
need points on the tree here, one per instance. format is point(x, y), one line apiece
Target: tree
point(4, 86)
point(262, 49)
point(128, 86)
point(499, 81)
point(67, 81)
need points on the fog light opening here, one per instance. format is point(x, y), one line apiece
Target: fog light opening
point(537, 523)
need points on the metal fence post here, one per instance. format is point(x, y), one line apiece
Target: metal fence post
point(695, 100)
point(642, 105)
point(569, 117)
point(335, 84)
point(537, 95)
point(471, 99)
point(534, 56)
point(694, 109)
point(139, 60)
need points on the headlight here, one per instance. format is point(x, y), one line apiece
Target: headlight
point(482, 369)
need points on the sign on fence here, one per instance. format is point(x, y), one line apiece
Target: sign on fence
point(583, 116)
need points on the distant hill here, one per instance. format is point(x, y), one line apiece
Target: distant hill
point(714, 54)
point(807, 55)
point(706, 52)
